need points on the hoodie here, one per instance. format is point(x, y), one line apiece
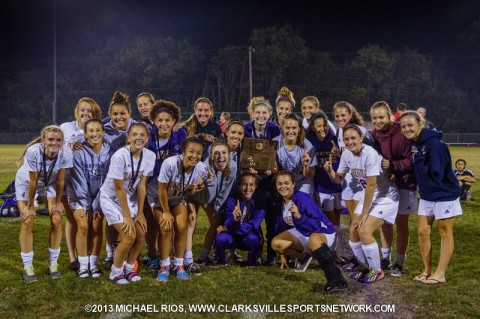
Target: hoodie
point(433, 168)
point(116, 138)
point(87, 175)
point(249, 223)
point(396, 148)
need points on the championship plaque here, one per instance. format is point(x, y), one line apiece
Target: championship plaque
point(258, 154)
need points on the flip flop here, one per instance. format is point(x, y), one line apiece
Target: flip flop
point(420, 278)
point(432, 281)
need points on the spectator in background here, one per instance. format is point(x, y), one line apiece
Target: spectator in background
point(423, 112)
point(401, 108)
point(465, 178)
point(224, 119)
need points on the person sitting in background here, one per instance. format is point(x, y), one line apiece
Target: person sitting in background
point(423, 112)
point(224, 119)
point(465, 178)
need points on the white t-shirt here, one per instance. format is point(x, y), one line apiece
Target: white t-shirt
point(72, 133)
point(121, 169)
point(368, 163)
point(179, 182)
point(34, 162)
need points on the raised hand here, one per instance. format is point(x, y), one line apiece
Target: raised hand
point(306, 157)
point(199, 185)
point(328, 164)
point(335, 151)
point(294, 211)
point(211, 174)
point(237, 212)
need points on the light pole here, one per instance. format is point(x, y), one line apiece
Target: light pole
point(54, 106)
point(250, 50)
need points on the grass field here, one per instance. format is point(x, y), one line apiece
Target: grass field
point(233, 285)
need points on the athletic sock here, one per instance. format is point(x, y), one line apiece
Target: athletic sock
point(177, 261)
point(93, 260)
point(188, 257)
point(373, 256)
point(204, 253)
point(358, 251)
point(54, 255)
point(400, 259)
point(27, 259)
point(110, 250)
point(115, 272)
point(83, 261)
point(387, 253)
point(128, 268)
point(165, 262)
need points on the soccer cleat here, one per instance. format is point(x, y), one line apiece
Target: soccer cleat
point(29, 275)
point(146, 260)
point(154, 265)
point(209, 262)
point(163, 274)
point(233, 256)
point(351, 265)
point(53, 271)
point(359, 273)
point(180, 272)
point(302, 265)
point(192, 268)
point(385, 264)
point(372, 276)
point(396, 271)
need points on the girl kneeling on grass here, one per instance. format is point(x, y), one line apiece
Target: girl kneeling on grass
point(305, 231)
point(90, 168)
point(122, 197)
point(180, 176)
point(439, 194)
point(377, 202)
point(45, 163)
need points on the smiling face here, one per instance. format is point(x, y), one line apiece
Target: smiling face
point(290, 130)
point(248, 185)
point(261, 114)
point(308, 109)
point(220, 157)
point(144, 105)
point(342, 116)
point(192, 155)
point(164, 123)
point(285, 186)
point(283, 108)
point(83, 113)
point(53, 142)
point(120, 115)
point(203, 112)
point(94, 133)
point(320, 127)
point(137, 137)
point(411, 128)
point(380, 119)
point(353, 140)
point(235, 134)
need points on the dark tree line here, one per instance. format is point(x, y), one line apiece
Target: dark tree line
point(176, 70)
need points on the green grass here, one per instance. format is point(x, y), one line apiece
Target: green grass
point(66, 297)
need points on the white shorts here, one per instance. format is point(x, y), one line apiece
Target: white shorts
point(329, 202)
point(113, 212)
point(21, 190)
point(408, 202)
point(74, 204)
point(152, 193)
point(386, 210)
point(304, 239)
point(441, 210)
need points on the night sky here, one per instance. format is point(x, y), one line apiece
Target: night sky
point(337, 26)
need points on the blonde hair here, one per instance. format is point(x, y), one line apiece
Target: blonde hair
point(312, 99)
point(39, 139)
point(383, 105)
point(356, 118)
point(285, 95)
point(256, 101)
point(96, 111)
point(191, 123)
point(121, 99)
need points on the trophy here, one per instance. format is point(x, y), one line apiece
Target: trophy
point(258, 154)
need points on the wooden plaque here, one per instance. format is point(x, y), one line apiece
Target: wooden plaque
point(258, 154)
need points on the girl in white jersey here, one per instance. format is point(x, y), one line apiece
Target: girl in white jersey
point(45, 162)
point(378, 201)
point(85, 110)
point(122, 197)
point(180, 176)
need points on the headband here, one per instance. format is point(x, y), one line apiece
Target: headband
point(235, 121)
point(284, 98)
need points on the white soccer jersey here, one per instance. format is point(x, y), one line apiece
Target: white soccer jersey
point(368, 163)
point(72, 133)
point(34, 162)
point(291, 160)
point(121, 169)
point(179, 182)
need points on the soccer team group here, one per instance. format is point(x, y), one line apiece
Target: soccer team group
point(149, 179)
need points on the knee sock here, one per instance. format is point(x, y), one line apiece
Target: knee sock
point(27, 259)
point(54, 255)
point(110, 250)
point(387, 253)
point(188, 257)
point(358, 252)
point(373, 255)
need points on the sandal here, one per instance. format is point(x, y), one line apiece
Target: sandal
point(83, 273)
point(95, 272)
point(420, 278)
point(432, 281)
point(133, 276)
point(119, 280)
